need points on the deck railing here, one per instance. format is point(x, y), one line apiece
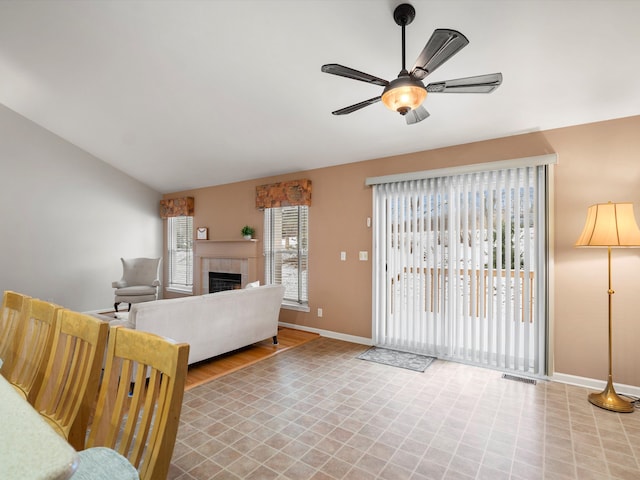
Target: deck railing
point(476, 294)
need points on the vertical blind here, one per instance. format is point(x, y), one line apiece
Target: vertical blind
point(460, 267)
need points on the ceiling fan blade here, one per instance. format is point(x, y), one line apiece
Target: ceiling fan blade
point(357, 106)
point(416, 115)
point(443, 44)
point(478, 84)
point(335, 69)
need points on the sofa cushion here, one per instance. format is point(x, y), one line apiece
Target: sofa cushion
point(156, 306)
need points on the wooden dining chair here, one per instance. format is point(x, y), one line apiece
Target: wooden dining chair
point(138, 409)
point(67, 396)
point(33, 348)
point(11, 321)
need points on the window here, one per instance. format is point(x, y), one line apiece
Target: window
point(180, 253)
point(286, 252)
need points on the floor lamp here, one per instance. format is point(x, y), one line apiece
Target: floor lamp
point(610, 225)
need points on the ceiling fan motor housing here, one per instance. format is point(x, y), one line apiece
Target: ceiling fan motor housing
point(404, 14)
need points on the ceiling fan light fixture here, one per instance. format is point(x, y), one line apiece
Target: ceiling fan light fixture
point(404, 94)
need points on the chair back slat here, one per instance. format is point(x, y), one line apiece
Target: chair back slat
point(14, 306)
point(141, 421)
point(150, 399)
point(54, 403)
point(33, 347)
point(72, 375)
point(80, 358)
point(165, 405)
point(136, 406)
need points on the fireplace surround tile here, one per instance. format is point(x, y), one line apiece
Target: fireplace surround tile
point(228, 256)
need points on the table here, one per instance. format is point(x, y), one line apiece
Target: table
point(29, 448)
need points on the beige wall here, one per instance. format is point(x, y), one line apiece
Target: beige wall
point(597, 163)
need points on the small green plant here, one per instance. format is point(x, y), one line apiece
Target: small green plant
point(247, 231)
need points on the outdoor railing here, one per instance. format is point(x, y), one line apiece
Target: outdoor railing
point(476, 294)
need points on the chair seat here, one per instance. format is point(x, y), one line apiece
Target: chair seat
point(135, 290)
point(102, 463)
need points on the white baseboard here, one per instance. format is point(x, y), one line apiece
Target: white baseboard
point(329, 334)
point(593, 384)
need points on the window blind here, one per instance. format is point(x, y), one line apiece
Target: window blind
point(180, 251)
point(286, 250)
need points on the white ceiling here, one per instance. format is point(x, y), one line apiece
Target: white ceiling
point(186, 94)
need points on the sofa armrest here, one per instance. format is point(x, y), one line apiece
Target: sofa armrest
point(119, 284)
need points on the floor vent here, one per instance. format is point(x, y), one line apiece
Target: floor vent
point(519, 379)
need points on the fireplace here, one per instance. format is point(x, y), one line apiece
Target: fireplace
point(238, 257)
point(219, 281)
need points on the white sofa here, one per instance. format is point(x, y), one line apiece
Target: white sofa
point(214, 323)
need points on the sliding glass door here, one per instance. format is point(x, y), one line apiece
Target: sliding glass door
point(460, 267)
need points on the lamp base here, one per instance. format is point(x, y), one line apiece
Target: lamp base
point(609, 400)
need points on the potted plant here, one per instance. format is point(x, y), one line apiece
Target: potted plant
point(247, 232)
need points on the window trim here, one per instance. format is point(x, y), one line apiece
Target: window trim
point(298, 307)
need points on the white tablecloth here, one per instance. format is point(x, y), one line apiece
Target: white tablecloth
point(29, 447)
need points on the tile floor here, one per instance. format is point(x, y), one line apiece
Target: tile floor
point(317, 412)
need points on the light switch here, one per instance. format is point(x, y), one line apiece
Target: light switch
point(343, 256)
point(364, 256)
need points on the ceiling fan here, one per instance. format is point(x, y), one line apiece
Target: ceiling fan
point(406, 93)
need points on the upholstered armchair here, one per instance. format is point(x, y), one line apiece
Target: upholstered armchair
point(139, 283)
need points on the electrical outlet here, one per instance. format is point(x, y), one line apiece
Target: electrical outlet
point(319, 312)
point(364, 256)
point(343, 256)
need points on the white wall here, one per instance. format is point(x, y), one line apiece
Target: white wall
point(66, 218)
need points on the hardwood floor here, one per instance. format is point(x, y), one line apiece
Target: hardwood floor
point(208, 370)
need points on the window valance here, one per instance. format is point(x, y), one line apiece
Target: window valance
point(284, 194)
point(176, 207)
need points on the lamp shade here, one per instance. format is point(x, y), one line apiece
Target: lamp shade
point(610, 225)
point(404, 94)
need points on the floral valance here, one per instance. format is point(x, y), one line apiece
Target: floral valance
point(284, 194)
point(176, 207)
